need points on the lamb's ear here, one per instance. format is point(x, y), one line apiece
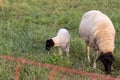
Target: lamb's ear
point(47, 40)
point(51, 42)
point(99, 58)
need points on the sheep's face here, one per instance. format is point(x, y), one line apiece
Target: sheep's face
point(106, 59)
point(49, 44)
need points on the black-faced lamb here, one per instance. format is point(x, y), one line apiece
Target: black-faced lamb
point(98, 32)
point(62, 40)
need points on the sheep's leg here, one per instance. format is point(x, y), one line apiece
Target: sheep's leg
point(88, 50)
point(95, 58)
point(88, 53)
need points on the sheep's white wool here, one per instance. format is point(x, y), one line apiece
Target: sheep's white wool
point(62, 40)
point(97, 29)
point(98, 32)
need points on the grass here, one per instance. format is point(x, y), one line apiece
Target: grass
point(26, 24)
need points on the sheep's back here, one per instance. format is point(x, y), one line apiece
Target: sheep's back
point(88, 22)
point(93, 24)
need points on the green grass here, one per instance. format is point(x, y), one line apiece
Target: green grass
point(26, 24)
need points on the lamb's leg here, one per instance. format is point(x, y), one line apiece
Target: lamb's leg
point(88, 52)
point(112, 68)
point(95, 58)
point(60, 51)
point(67, 50)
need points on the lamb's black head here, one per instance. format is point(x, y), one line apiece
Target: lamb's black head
point(107, 59)
point(49, 44)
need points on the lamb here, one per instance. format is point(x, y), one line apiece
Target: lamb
point(98, 32)
point(62, 40)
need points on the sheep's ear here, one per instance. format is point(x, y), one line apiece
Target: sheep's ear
point(99, 58)
point(113, 58)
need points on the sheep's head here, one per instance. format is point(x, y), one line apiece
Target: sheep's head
point(49, 44)
point(107, 59)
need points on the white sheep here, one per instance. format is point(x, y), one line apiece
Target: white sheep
point(62, 40)
point(98, 32)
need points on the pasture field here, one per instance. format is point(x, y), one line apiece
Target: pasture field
point(25, 25)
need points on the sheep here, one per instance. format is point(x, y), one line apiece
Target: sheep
point(98, 32)
point(62, 40)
